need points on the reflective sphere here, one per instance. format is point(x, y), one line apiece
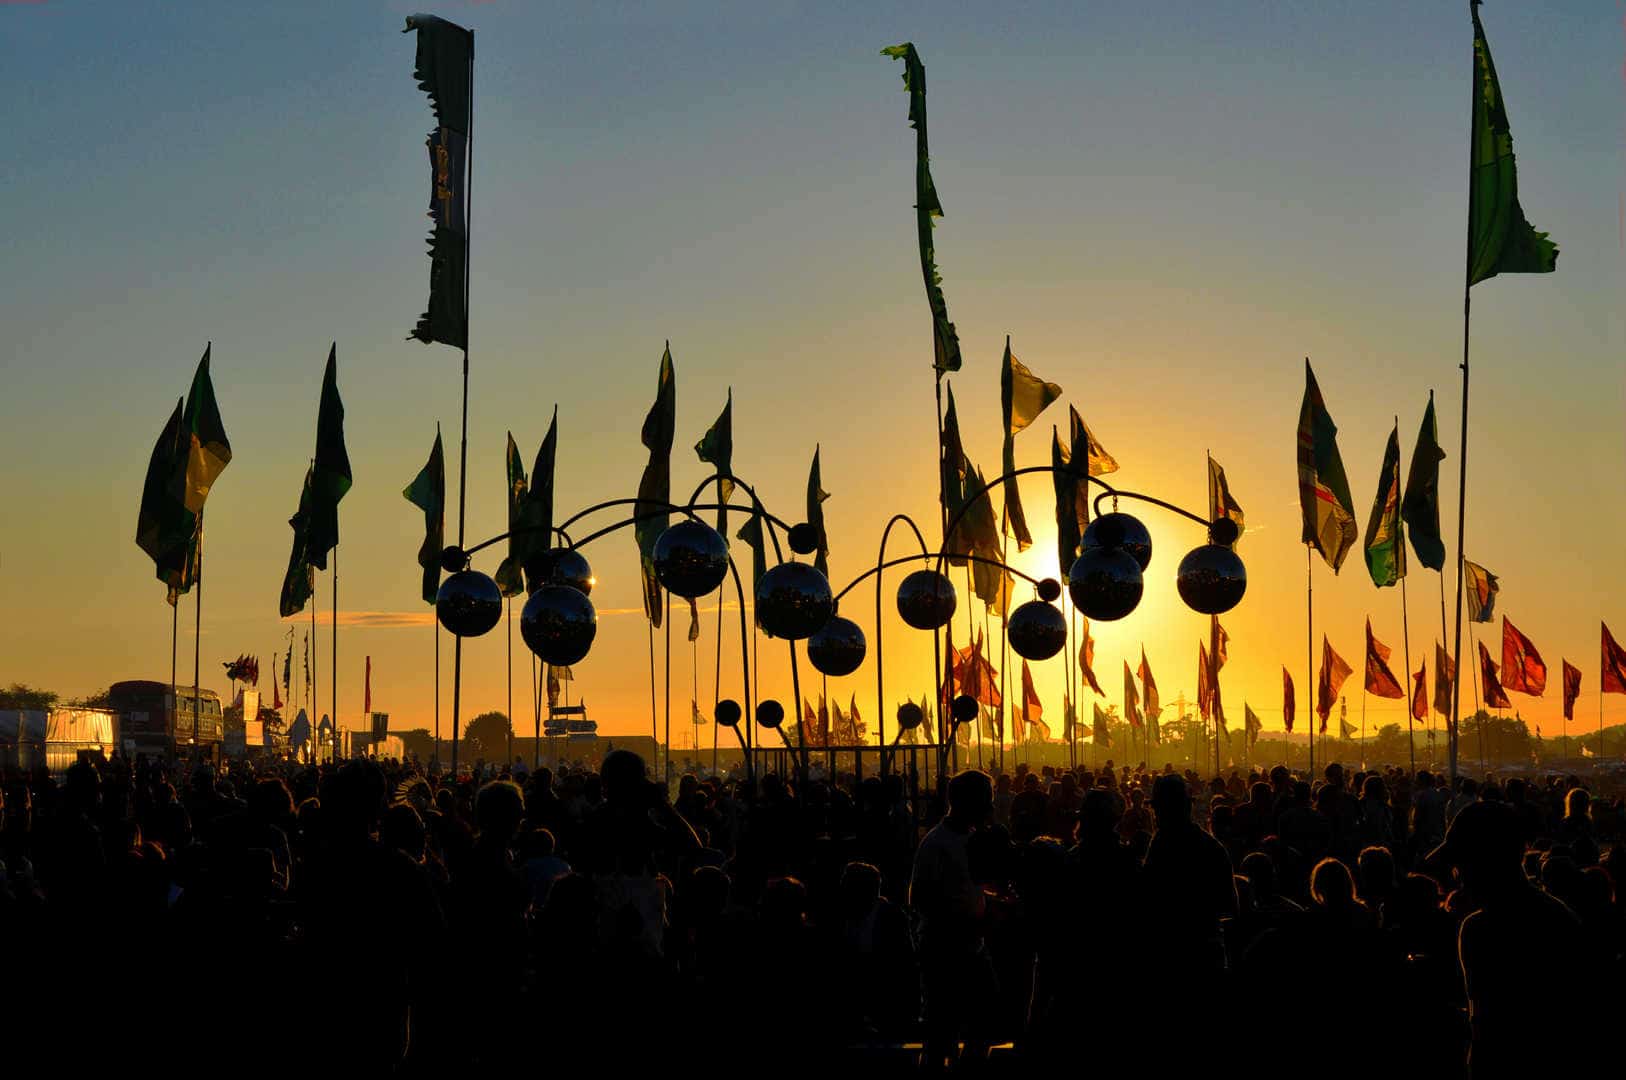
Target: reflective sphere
point(469, 603)
point(793, 601)
point(558, 624)
point(539, 568)
point(803, 538)
point(1212, 579)
point(926, 600)
point(728, 712)
point(770, 714)
point(1049, 590)
point(690, 559)
point(909, 716)
point(837, 648)
point(1105, 583)
point(453, 559)
point(1124, 531)
point(1037, 631)
point(1224, 531)
point(964, 708)
point(571, 569)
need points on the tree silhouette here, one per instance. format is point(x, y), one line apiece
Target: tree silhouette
point(22, 696)
point(487, 736)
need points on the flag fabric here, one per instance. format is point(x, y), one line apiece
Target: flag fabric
point(1523, 669)
point(287, 668)
point(823, 724)
point(1205, 683)
point(945, 341)
point(1420, 508)
point(990, 581)
point(509, 577)
point(751, 533)
point(926, 718)
point(859, 729)
point(203, 439)
point(299, 580)
point(1219, 718)
point(1251, 724)
point(1572, 689)
point(810, 720)
point(1032, 707)
point(1385, 547)
point(696, 717)
point(164, 526)
point(1023, 396)
point(1153, 728)
point(815, 514)
point(1419, 692)
point(1131, 699)
point(1086, 446)
point(1072, 504)
point(330, 473)
point(1069, 718)
point(1346, 730)
point(307, 664)
point(179, 570)
point(555, 686)
point(1149, 698)
point(655, 485)
point(1379, 679)
point(1500, 240)
point(1445, 679)
point(1490, 685)
point(952, 479)
point(276, 686)
point(1288, 704)
point(1086, 657)
point(1220, 502)
point(1613, 679)
point(1324, 502)
point(1103, 732)
point(428, 493)
point(536, 514)
point(716, 448)
point(1333, 673)
point(444, 69)
point(1482, 589)
point(1222, 646)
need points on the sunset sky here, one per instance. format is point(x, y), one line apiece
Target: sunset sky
point(1167, 207)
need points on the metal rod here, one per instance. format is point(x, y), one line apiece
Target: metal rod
point(1309, 656)
point(197, 647)
point(334, 637)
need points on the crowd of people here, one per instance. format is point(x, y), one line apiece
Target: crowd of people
point(380, 918)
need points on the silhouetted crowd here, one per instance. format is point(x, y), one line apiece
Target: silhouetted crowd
point(374, 918)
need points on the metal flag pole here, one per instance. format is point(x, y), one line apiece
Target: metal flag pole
point(436, 623)
point(335, 638)
point(1309, 653)
point(509, 716)
point(197, 647)
point(666, 667)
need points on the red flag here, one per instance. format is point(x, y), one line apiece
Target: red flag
point(1379, 679)
point(1205, 682)
point(1131, 698)
point(1613, 680)
point(1523, 670)
point(276, 687)
point(822, 730)
point(1222, 642)
point(1419, 692)
point(1288, 705)
point(1030, 696)
point(367, 690)
point(1491, 685)
point(1149, 698)
point(1086, 660)
point(1445, 676)
point(1572, 689)
point(1333, 673)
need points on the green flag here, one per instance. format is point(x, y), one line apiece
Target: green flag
point(509, 577)
point(1023, 396)
point(428, 493)
point(815, 514)
point(330, 473)
point(1385, 547)
point(537, 515)
point(1500, 240)
point(298, 582)
point(751, 533)
point(444, 68)
point(953, 478)
point(179, 569)
point(162, 516)
point(1329, 515)
point(945, 341)
point(1072, 504)
point(716, 448)
point(1420, 509)
point(203, 438)
point(656, 483)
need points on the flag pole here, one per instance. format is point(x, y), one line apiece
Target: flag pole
point(174, 648)
point(1405, 625)
point(510, 715)
point(717, 682)
point(1309, 655)
point(437, 693)
point(335, 638)
point(197, 647)
point(313, 653)
point(654, 730)
point(666, 668)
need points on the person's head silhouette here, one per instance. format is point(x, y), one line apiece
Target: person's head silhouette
point(1171, 801)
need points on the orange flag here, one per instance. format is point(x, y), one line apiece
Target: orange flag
point(1419, 692)
point(1613, 680)
point(1523, 670)
point(1379, 679)
point(1445, 675)
point(1333, 673)
point(1086, 660)
point(1288, 706)
point(1490, 684)
point(1205, 682)
point(1572, 688)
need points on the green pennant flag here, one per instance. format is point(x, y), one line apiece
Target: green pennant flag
point(1420, 508)
point(655, 486)
point(815, 514)
point(162, 516)
point(1072, 504)
point(298, 582)
point(179, 569)
point(751, 534)
point(1023, 396)
point(945, 341)
point(1385, 547)
point(954, 474)
point(537, 512)
point(1324, 502)
point(716, 448)
point(1500, 240)
point(428, 493)
point(444, 69)
point(330, 473)
point(203, 439)
point(509, 577)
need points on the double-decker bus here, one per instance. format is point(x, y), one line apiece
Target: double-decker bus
point(151, 721)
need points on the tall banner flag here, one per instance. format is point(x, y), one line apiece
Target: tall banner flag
point(1490, 683)
point(1222, 646)
point(1419, 692)
point(716, 448)
point(1086, 657)
point(1103, 731)
point(1289, 706)
point(1205, 682)
point(537, 509)
point(1500, 240)
point(1482, 589)
point(1523, 669)
point(815, 514)
point(1379, 679)
point(163, 516)
point(1251, 724)
point(1220, 502)
point(1324, 502)
point(1613, 679)
point(1333, 673)
point(1149, 698)
point(1572, 689)
point(1131, 699)
point(1445, 677)
point(276, 685)
point(1086, 446)
point(1072, 503)
point(203, 440)
point(945, 341)
point(428, 493)
point(1031, 705)
point(751, 534)
point(1420, 508)
point(1023, 396)
point(444, 69)
point(656, 483)
point(509, 577)
point(330, 473)
point(299, 580)
point(1385, 549)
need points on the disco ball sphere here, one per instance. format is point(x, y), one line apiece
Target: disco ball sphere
point(837, 648)
point(1124, 531)
point(1212, 579)
point(469, 603)
point(728, 712)
point(803, 538)
point(770, 714)
point(539, 566)
point(793, 601)
point(1224, 531)
point(964, 708)
point(558, 624)
point(1049, 590)
point(1037, 631)
point(453, 559)
point(910, 716)
point(571, 569)
point(691, 559)
point(1105, 583)
point(926, 600)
